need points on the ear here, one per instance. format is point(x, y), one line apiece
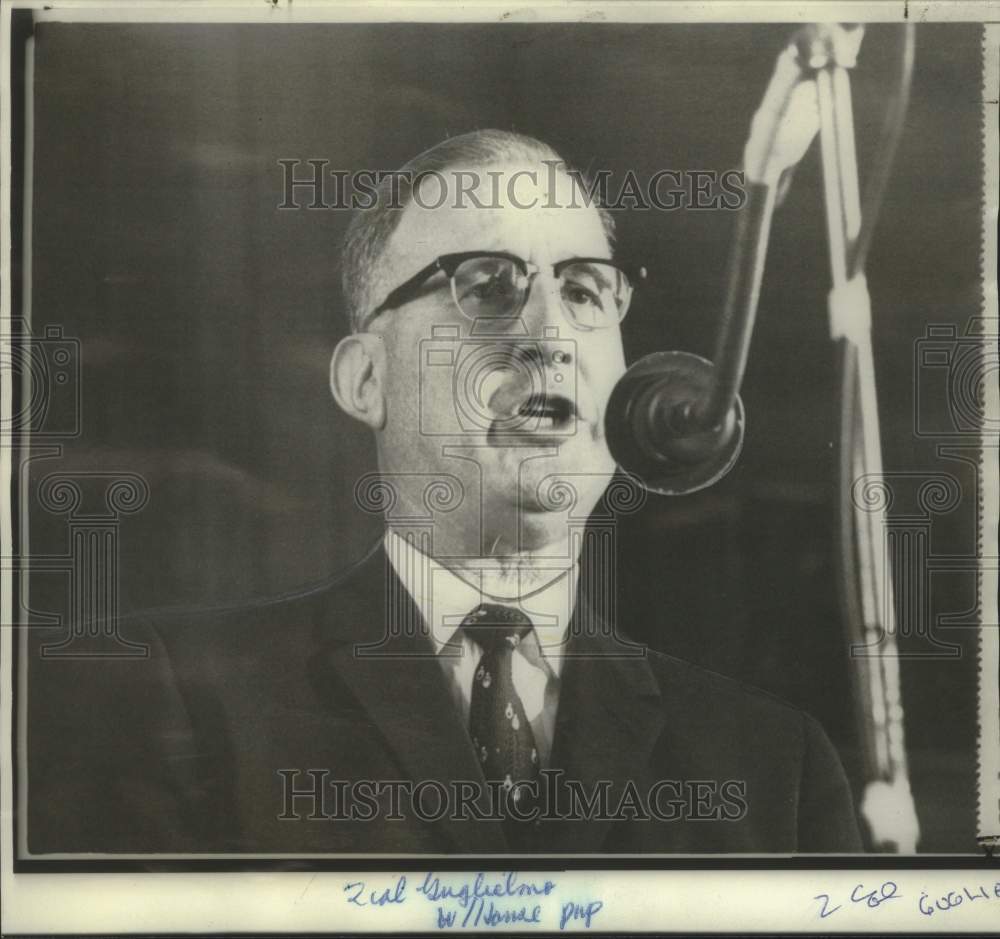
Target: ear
point(356, 370)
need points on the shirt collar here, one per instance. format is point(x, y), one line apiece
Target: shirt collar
point(444, 599)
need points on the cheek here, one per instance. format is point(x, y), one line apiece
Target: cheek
point(417, 390)
point(401, 376)
point(602, 364)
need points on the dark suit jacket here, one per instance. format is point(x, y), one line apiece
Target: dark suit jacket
point(182, 751)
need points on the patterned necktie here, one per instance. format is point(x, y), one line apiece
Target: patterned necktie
point(500, 730)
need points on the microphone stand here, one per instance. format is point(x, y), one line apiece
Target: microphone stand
point(675, 421)
point(866, 587)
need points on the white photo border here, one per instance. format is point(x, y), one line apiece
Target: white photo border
point(631, 900)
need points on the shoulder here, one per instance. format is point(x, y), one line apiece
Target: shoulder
point(785, 758)
point(687, 678)
point(712, 703)
point(234, 648)
point(272, 626)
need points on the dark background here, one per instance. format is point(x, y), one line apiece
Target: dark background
point(207, 316)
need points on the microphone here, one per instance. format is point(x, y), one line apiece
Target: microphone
point(653, 429)
point(675, 421)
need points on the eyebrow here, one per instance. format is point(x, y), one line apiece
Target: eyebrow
point(419, 284)
point(596, 271)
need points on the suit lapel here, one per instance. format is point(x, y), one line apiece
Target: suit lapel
point(610, 717)
point(379, 648)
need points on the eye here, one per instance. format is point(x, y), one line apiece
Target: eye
point(579, 295)
point(489, 288)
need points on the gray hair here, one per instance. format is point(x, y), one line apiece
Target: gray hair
point(370, 229)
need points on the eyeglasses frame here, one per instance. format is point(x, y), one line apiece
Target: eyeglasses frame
point(449, 264)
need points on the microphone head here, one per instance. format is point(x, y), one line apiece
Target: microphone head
point(651, 425)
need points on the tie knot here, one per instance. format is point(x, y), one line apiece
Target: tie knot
point(496, 628)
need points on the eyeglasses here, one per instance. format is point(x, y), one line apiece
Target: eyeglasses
point(494, 285)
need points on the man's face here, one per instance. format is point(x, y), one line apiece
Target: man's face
point(524, 400)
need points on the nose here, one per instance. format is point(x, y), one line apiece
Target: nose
point(543, 309)
point(547, 327)
point(540, 354)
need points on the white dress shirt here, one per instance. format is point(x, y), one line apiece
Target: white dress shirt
point(445, 599)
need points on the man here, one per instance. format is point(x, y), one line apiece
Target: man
point(460, 689)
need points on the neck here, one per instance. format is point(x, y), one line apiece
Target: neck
point(516, 574)
point(504, 573)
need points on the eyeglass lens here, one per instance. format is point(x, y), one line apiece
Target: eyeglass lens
point(594, 294)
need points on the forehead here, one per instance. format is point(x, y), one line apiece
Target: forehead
point(529, 209)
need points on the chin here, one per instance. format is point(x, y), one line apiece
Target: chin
point(540, 529)
point(566, 488)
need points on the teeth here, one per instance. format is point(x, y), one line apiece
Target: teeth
point(543, 414)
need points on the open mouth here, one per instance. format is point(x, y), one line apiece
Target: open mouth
point(548, 412)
